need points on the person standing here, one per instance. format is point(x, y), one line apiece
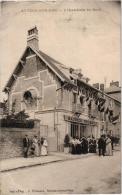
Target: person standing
point(26, 144)
point(84, 145)
point(108, 146)
point(35, 144)
point(112, 141)
point(78, 146)
point(101, 145)
point(44, 147)
point(92, 145)
point(73, 145)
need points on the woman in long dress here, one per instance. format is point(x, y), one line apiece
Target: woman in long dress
point(35, 143)
point(84, 145)
point(78, 146)
point(92, 145)
point(44, 147)
point(108, 146)
point(73, 145)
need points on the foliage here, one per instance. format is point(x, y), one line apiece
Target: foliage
point(18, 120)
point(22, 116)
point(16, 123)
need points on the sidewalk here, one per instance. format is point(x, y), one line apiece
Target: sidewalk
point(21, 162)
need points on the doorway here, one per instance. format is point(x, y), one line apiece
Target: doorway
point(77, 129)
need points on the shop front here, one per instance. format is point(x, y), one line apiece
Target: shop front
point(79, 127)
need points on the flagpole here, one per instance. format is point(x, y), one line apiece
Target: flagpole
point(105, 81)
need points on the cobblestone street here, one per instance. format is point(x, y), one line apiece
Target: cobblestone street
point(93, 174)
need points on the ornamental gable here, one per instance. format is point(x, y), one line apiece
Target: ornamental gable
point(32, 88)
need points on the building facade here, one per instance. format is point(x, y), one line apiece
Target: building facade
point(60, 97)
point(114, 90)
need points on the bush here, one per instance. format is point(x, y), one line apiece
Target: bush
point(16, 123)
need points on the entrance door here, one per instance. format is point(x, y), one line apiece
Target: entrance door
point(82, 130)
point(77, 130)
point(74, 129)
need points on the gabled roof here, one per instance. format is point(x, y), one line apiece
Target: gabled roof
point(58, 68)
point(55, 66)
point(50, 62)
point(61, 67)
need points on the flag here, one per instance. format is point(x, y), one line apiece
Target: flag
point(102, 101)
point(81, 99)
point(87, 99)
point(111, 112)
point(110, 115)
point(110, 118)
point(97, 101)
point(98, 107)
point(102, 108)
point(101, 105)
point(115, 119)
point(107, 110)
point(90, 103)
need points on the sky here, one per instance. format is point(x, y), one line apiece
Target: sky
point(81, 34)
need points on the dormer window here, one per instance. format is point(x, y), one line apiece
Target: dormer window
point(74, 80)
point(71, 70)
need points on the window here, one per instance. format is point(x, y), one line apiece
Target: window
point(77, 130)
point(30, 99)
point(74, 129)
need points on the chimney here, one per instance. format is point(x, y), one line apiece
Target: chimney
point(32, 38)
point(114, 83)
point(102, 87)
point(96, 85)
point(87, 80)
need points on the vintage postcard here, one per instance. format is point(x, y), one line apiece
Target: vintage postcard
point(60, 97)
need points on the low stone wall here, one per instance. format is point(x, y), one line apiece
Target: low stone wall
point(11, 141)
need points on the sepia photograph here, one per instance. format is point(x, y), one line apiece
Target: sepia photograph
point(60, 97)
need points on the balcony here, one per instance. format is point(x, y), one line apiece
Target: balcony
point(77, 108)
point(92, 113)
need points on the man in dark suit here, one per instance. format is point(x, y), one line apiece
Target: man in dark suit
point(102, 145)
point(26, 144)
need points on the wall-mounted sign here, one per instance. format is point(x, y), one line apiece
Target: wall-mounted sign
point(79, 120)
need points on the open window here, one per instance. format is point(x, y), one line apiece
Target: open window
point(30, 99)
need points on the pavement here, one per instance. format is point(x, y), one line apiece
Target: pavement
point(21, 162)
point(12, 164)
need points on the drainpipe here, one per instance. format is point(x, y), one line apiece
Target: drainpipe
point(55, 126)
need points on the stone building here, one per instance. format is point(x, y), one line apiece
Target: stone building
point(59, 96)
point(114, 90)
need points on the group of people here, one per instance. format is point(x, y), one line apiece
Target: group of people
point(82, 145)
point(34, 147)
point(103, 145)
point(37, 147)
